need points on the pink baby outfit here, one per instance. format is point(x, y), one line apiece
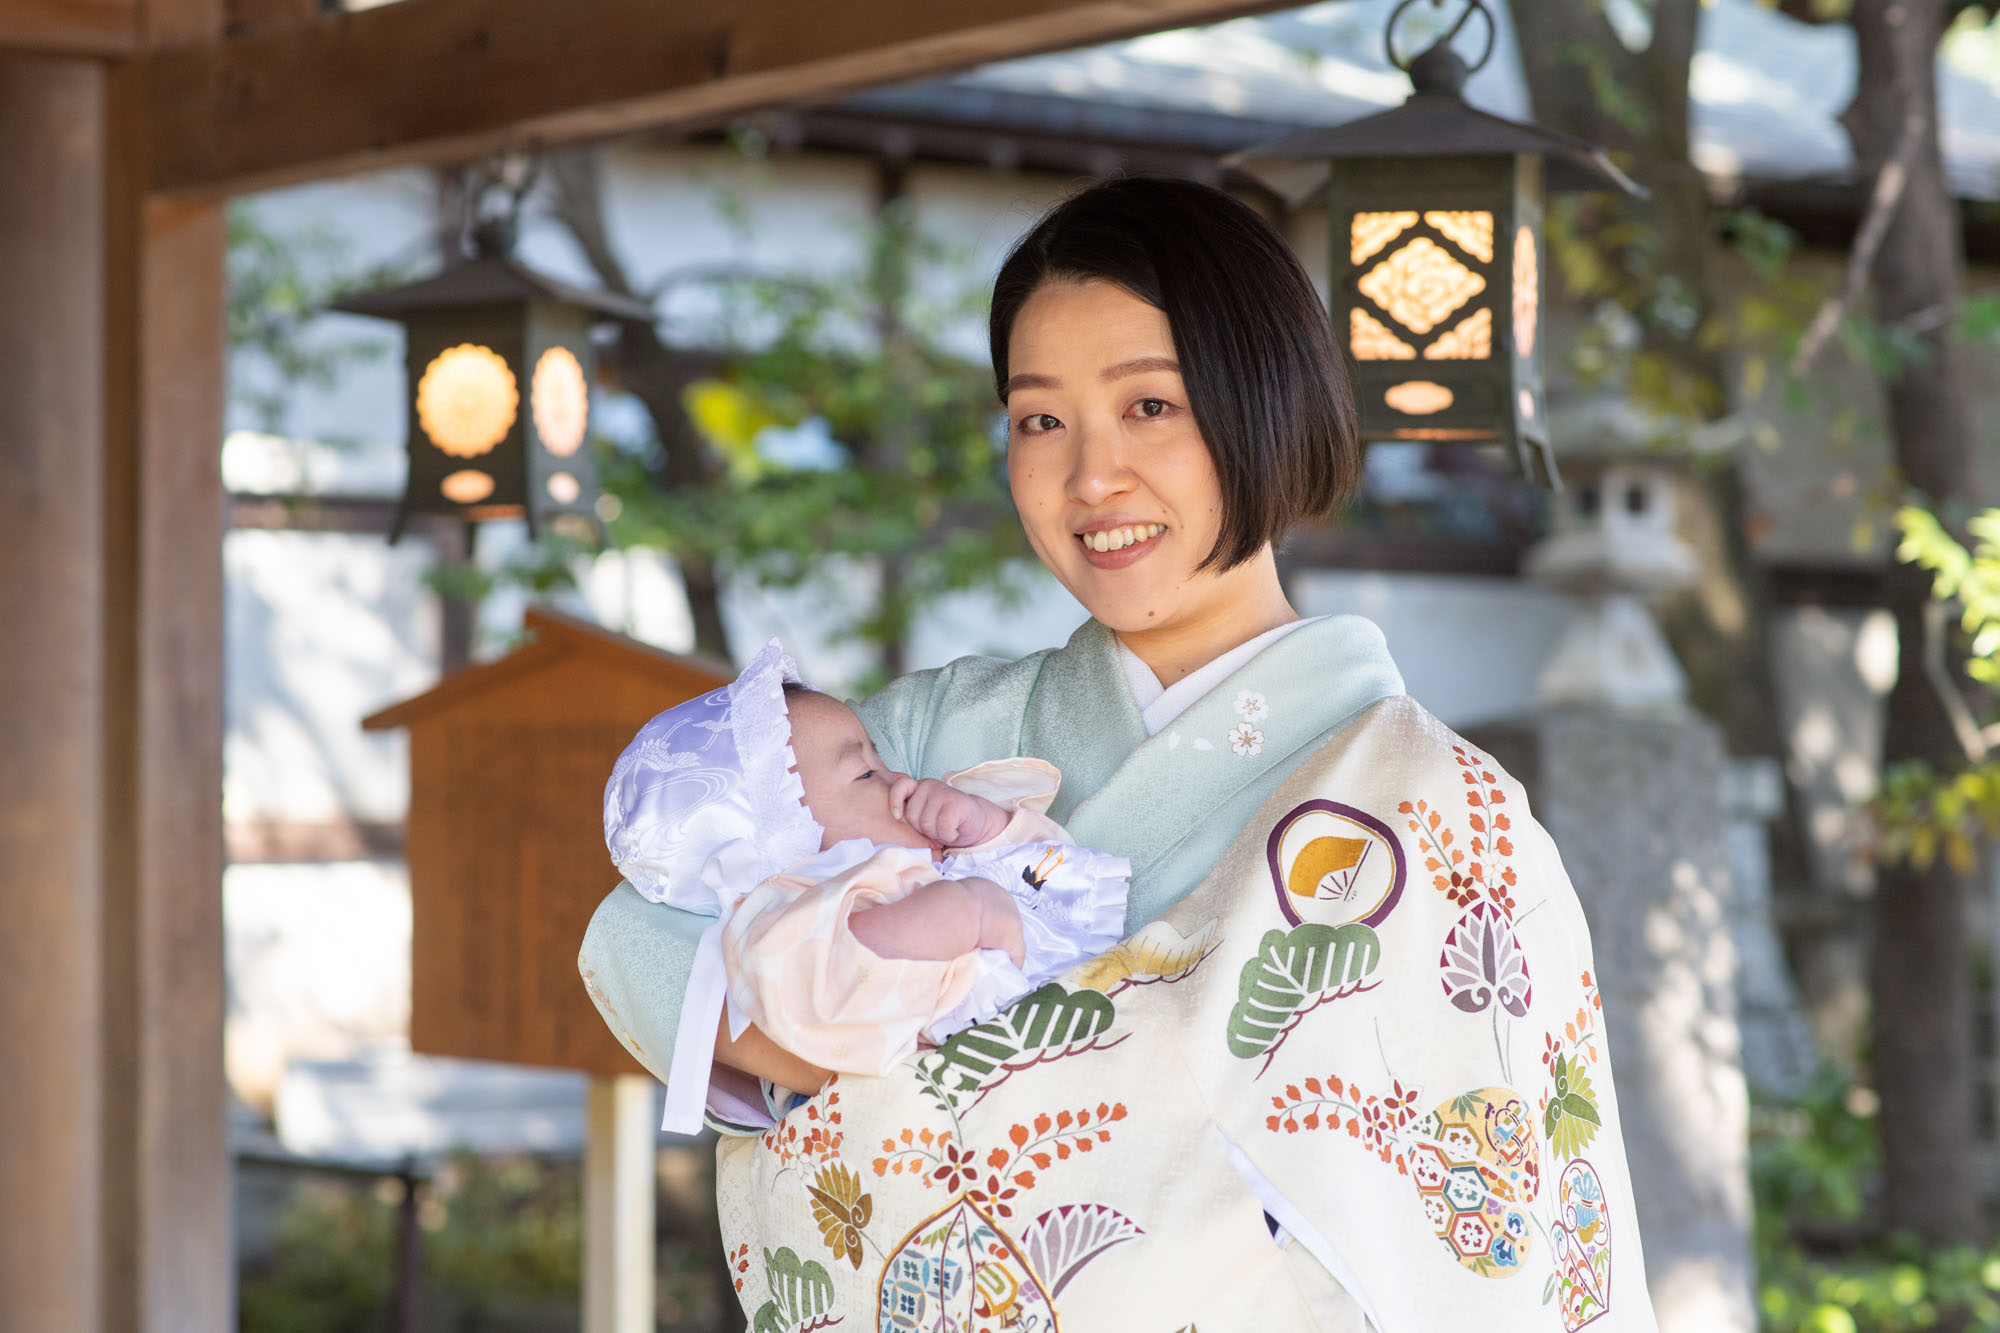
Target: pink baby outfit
point(796, 970)
point(704, 812)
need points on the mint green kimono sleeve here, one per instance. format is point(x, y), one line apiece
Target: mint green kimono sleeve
point(635, 960)
point(637, 955)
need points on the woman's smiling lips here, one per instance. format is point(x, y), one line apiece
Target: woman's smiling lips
point(1116, 545)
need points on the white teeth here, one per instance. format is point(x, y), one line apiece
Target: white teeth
point(1117, 539)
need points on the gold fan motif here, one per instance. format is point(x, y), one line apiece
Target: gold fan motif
point(1323, 857)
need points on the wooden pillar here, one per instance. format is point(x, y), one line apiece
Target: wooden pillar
point(618, 1201)
point(52, 428)
point(113, 1156)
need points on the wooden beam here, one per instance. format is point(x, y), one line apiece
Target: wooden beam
point(429, 80)
point(70, 27)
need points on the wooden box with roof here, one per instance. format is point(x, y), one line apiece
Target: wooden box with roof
point(505, 838)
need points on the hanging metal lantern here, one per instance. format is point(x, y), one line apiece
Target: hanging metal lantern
point(1438, 261)
point(500, 361)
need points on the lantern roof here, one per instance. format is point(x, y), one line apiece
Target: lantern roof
point(488, 280)
point(1429, 124)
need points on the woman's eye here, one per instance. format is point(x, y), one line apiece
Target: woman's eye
point(1153, 407)
point(1036, 423)
point(865, 776)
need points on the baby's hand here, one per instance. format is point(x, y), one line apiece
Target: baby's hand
point(999, 918)
point(946, 815)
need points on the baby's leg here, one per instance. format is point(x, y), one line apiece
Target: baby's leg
point(944, 919)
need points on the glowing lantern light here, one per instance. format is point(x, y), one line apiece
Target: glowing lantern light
point(1436, 212)
point(476, 335)
point(560, 400)
point(466, 400)
point(1418, 398)
point(468, 486)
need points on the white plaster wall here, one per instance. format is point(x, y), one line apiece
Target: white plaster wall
point(1469, 648)
point(318, 966)
point(321, 629)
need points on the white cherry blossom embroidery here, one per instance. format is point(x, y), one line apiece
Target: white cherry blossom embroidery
point(1246, 740)
point(1250, 706)
point(1201, 744)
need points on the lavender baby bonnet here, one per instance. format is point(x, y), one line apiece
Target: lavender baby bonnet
point(702, 807)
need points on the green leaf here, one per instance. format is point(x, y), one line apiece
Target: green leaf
point(800, 1288)
point(1577, 1106)
point(1571, 1118)
point(1050, 1018)
point(1291, 969)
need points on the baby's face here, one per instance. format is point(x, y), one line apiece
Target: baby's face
point(847, 784)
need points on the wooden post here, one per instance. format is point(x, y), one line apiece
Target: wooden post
point(618, 1191)
point(52, 145)
point(111, 351)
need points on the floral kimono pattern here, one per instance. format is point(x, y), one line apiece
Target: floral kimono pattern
point(1375, 1020)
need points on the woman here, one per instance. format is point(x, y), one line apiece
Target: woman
point(1333, 917)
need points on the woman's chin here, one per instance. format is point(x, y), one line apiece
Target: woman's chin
point(1129, 615)
point(1126, 601)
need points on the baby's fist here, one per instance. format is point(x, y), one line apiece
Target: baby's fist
point(950, 817)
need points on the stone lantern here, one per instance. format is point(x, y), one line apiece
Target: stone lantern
point(1613, 549)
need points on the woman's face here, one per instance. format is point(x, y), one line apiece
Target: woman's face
point(1113, 481)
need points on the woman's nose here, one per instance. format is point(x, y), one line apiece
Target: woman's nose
point(1098, 471)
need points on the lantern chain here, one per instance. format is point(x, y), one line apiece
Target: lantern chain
point(492, 194)
point(1443, 43)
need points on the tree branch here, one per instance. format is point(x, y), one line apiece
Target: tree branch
point(579, 204)
point(1883, 201)
point(1676, 32)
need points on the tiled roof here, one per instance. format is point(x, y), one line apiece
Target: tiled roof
point(1766, 91)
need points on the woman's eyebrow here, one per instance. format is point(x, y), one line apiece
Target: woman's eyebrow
point(1139, 366)
point(1028, 380)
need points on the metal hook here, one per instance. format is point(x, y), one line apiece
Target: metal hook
point(1451, 35)
point(496, 189)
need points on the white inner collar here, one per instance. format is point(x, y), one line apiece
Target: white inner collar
point(1160, 704)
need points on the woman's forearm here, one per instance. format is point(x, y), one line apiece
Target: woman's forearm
point(756, 1054)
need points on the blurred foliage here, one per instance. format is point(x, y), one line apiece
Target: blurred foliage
point(1898, 1288)
point(1922, 813)
point(1813, 1161)
point(852, 439)
point(541, 568)
point(278, 283)
point(502, 1249)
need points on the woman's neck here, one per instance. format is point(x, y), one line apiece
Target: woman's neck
point(1246, 602)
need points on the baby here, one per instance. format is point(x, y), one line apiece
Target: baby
point(857, 909)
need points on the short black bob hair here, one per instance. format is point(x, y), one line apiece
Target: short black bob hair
point(1266, 381)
